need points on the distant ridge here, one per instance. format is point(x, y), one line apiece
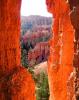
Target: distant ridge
point(29, 22)
point(36, 18)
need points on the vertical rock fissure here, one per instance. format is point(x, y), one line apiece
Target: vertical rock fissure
point(74, 15)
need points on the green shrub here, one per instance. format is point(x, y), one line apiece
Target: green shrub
point(42, 87)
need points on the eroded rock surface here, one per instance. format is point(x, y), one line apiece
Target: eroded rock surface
point(61, 49)
point(74, 15)
point(15, 82)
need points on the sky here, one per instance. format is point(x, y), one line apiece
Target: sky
point(34, 7)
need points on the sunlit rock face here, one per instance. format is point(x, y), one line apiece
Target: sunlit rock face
point(61, 50)
point(15, 82)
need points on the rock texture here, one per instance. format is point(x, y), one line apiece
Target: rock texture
point(61, 49)
point(74, 15)
point(15, 82)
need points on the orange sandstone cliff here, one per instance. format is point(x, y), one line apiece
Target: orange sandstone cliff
point(15, 81)
point(60, 63)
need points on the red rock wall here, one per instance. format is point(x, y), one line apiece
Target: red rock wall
point(61, 49)
point(74, 16)
point(15, 82)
